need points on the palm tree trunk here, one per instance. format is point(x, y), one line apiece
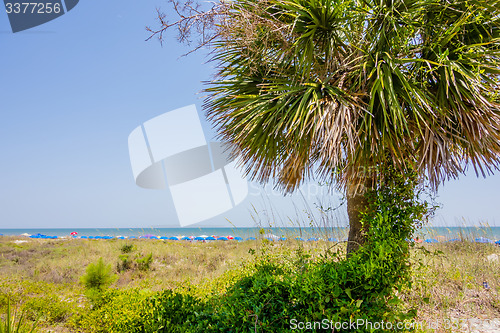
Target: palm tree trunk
point(356, 203)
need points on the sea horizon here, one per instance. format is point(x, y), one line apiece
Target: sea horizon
point(245, 232)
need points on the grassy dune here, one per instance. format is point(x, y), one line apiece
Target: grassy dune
point(41, 278)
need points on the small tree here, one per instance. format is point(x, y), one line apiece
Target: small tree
point(98, 276)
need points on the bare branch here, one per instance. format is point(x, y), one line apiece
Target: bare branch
point(192, 20)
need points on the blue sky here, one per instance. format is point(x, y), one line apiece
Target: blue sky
point(73, 89)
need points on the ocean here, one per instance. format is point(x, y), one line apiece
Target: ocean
point(336, 232)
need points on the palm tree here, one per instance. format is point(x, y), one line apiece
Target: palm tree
point(337, 88)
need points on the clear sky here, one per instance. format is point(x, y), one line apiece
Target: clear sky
point(73, 89)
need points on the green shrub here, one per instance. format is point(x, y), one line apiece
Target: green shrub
point(144, 264)
point(178, 312)
point(125, 311)
point(127, 248)
point(41, 301)
point(98, 276)
point(124, 263)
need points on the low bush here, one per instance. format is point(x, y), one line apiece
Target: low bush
point(144, 263)
point(40, 301)
point(127, 248)
point(124, 263)
point(98, 276)
point(117, 311)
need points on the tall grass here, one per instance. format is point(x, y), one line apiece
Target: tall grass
point(321, 215)
point(11, 324)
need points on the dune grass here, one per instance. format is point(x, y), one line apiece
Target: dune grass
point(450, 283)
point(42, 277)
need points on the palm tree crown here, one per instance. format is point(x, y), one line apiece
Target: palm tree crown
point(341, 86)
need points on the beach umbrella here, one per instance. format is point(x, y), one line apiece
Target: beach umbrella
point(238, 238)
point(483, 240)
point(132, 237)
point(210, 238)
point(497, 242)
point(222, 238)
point(333, 240)
point(185, 238)
point(300, 239)
point(312, 239)
point(431, 240)
point(199, 238)
point(282, 239)
point(74, 233)
point(173, 238)
point(230, 237)
point(271, 236)
point(163, 237)
point(251, 238)
point(120, 237)
point(454, 240)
